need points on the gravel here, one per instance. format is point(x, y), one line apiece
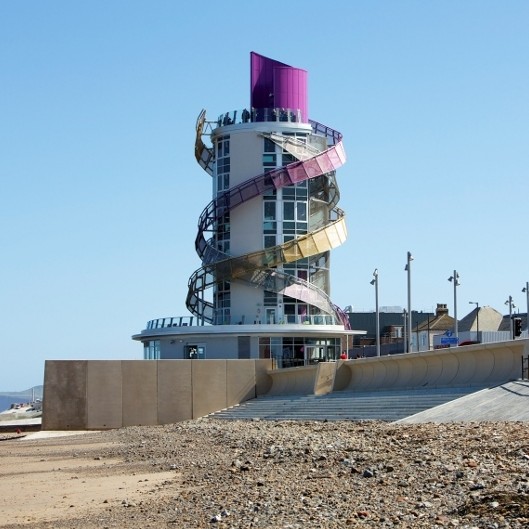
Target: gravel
point(259, 474)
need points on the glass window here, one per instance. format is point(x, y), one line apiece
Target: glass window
point(269, 241)
point(301, 194)
point(301, 210)
point(301, 228)
point(270, 210)
point(270, 298)
point(264, 347)
point(269, 145)
point(288, 158)
point(151, 350)
point(270, 194)
point(223, 146)
point(269, 223)
point(195, 352)
point(223, 163)
point(269, 160)
point(288, 211)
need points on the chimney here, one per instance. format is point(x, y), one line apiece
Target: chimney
point(441, 309)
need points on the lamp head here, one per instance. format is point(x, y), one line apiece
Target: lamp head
point(454, 278)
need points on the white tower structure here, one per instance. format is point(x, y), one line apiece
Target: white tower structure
point(264, 240)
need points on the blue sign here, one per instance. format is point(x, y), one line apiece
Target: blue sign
point(449, 340)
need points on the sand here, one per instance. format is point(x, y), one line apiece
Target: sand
point(46, 479)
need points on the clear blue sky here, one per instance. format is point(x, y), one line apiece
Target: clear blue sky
point(101, 192)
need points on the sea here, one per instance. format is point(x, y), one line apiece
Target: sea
point(19, 397)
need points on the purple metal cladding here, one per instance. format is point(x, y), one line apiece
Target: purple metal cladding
point(278, 85)
point(290, 90)
point(262, 80)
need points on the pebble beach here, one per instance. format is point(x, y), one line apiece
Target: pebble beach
point(210, 473)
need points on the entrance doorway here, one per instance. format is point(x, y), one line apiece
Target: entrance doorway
point(195, 352)
point(315, 354)
point(270, 316)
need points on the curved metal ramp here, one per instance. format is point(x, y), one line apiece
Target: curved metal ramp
point(258, 268)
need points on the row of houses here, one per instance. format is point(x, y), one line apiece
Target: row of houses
point(430, 330)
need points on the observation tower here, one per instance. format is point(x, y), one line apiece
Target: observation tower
point(265, 238)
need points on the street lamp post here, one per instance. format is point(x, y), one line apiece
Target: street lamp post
point(455, 279)
point(374, 281)
point(405, 324)
point(526, 290)
point(477, 318)
point(408, 269)
point(511, 306)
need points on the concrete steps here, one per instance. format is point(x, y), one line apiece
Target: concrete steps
point(344, 405)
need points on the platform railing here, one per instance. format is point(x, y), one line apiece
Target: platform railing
point(189, 321)
point(259, 115)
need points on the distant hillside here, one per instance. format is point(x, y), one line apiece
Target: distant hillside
point(27, 393)
point(17, 397)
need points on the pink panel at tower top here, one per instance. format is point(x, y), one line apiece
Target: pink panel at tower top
point(278, 85)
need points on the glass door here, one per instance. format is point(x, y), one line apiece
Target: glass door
point(315, 354)
point(270, 316)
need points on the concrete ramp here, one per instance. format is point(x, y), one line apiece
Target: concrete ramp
point(507, 402)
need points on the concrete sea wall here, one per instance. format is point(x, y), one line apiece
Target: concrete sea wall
point(98, 394)
point(91, 395)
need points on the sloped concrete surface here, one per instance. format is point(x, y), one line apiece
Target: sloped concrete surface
point(506, 402)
